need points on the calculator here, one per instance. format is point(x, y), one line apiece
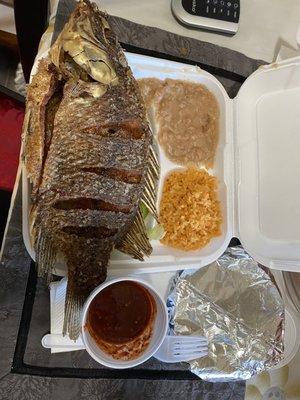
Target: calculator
point(216, 15)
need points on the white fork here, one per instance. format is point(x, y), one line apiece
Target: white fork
point(173, 349)
point(62, 342)
point(182, 348)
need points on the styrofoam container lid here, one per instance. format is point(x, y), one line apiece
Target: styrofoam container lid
point(267, 144)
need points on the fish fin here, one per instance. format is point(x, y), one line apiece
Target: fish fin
point(150, 189)
point(136, 242)
point(72, 317)
point(45, 257)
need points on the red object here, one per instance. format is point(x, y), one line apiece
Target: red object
point(11, 120)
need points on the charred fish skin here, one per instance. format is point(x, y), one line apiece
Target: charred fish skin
point(93, 162)
point(41, 103)
point(99, 151)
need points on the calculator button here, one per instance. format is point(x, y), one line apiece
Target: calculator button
point(224, 10)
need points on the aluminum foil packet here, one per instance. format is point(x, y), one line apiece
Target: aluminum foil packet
point(237, 306)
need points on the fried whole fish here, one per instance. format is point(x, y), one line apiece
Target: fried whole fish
point(88, 153)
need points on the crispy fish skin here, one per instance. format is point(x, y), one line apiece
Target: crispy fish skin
point(36, 136)
point(90, 171)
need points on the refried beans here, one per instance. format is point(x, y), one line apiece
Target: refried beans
point(187, 119)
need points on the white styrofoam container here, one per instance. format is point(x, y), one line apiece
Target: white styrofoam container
point(267, 143)
point(256, 165)
point(164, 258)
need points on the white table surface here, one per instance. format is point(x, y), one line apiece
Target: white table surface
point(7, 23)
point(264, 24)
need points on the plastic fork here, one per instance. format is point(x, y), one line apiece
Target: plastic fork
point(173, 349)
point(62, 342)
point(182, 348)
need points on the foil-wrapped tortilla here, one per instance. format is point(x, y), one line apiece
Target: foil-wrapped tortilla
point(236, 305)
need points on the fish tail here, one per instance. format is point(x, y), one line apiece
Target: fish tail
point(45, 256)
point(72, 317)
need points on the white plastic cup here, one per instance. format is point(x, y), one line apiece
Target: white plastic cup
point(291, 341)
point(158, 335)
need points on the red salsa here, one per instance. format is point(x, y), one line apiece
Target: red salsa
point(120, 312)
